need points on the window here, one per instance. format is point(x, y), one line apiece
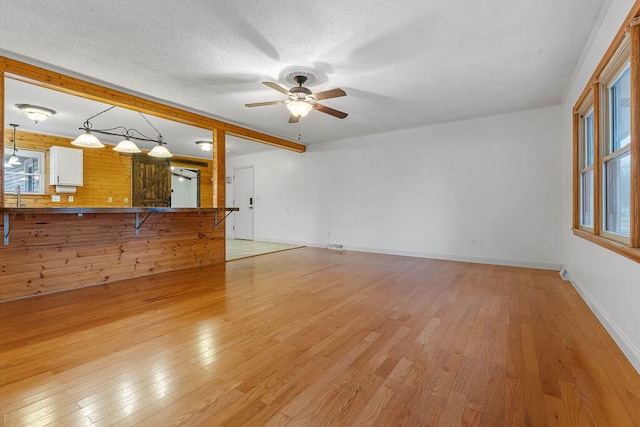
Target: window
point(616, 156)
point(27, 175)
point(606, 150)
point(586, 167)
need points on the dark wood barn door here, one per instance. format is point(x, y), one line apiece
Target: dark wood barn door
point(151, 181)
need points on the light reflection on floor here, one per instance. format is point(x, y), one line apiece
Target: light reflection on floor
point(237, 249)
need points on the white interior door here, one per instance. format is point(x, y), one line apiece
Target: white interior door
point(243, 199)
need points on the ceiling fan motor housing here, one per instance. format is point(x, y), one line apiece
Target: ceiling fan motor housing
point(300, 93)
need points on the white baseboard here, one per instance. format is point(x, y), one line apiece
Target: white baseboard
point(626, 345)
point(290, 242)
point(446, 257)
point(462, 258)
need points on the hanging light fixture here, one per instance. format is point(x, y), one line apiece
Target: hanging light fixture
point(205, 145)
point(160, 150)
point(127, 146)
point(14, 160)
point(299, 108)
point(88, 140)
point(35, 113)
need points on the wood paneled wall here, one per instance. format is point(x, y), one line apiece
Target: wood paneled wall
point(107, 174)
point(54, 252)
point(219, 160)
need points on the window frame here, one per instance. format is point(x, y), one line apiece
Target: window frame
point(617, 66)
point(583, 112)
point(624, 49)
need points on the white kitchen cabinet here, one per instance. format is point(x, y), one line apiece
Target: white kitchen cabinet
point(65, 166)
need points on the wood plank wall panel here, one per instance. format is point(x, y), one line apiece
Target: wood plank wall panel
point(219, 162)
point(98, 164)
point(53, 252)
point(2, 138)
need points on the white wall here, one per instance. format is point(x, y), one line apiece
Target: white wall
point(609, 282)
point(422, 192)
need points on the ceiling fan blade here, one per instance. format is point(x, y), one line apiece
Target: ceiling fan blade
point(293, 119)
point(330, 111)
point(260, 104)
point(327, 94)
point(277, 87)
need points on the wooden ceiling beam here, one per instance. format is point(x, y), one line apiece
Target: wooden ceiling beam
point(72, 85)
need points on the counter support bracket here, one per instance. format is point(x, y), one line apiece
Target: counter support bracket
point(138, 223)
point(7, 227)
point(217, 222)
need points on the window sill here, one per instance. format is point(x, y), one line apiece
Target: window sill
point(619, 248)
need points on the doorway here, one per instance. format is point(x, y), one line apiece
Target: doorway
point(185, 187)
point(243, 188)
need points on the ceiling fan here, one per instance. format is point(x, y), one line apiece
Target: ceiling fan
point(300, 100)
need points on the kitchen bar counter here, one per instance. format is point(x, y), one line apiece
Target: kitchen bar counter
point(55, 249)
point(71, 210)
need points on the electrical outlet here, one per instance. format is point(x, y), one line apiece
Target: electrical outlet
point(55, 198)
point(71, 198)
point(110, 199)
point(473, 242)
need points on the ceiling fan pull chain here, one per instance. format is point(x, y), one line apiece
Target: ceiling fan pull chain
point(299, 131)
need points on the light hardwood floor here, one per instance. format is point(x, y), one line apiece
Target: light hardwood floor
point(237, 248)
point(315, 337)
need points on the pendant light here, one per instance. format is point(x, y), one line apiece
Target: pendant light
point(160, 150)
point(14, 160)
point(87, 140)
point(127, 146)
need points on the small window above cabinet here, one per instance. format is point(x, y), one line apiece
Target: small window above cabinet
point(65, 166)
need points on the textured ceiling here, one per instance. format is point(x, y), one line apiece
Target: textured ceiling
point(402, 64)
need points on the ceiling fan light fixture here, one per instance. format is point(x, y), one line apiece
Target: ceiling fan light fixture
point(205, 145)
point(127, 146)
point(35, 113)
point(87, 140)
point(160, 151)
point(299, 108)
